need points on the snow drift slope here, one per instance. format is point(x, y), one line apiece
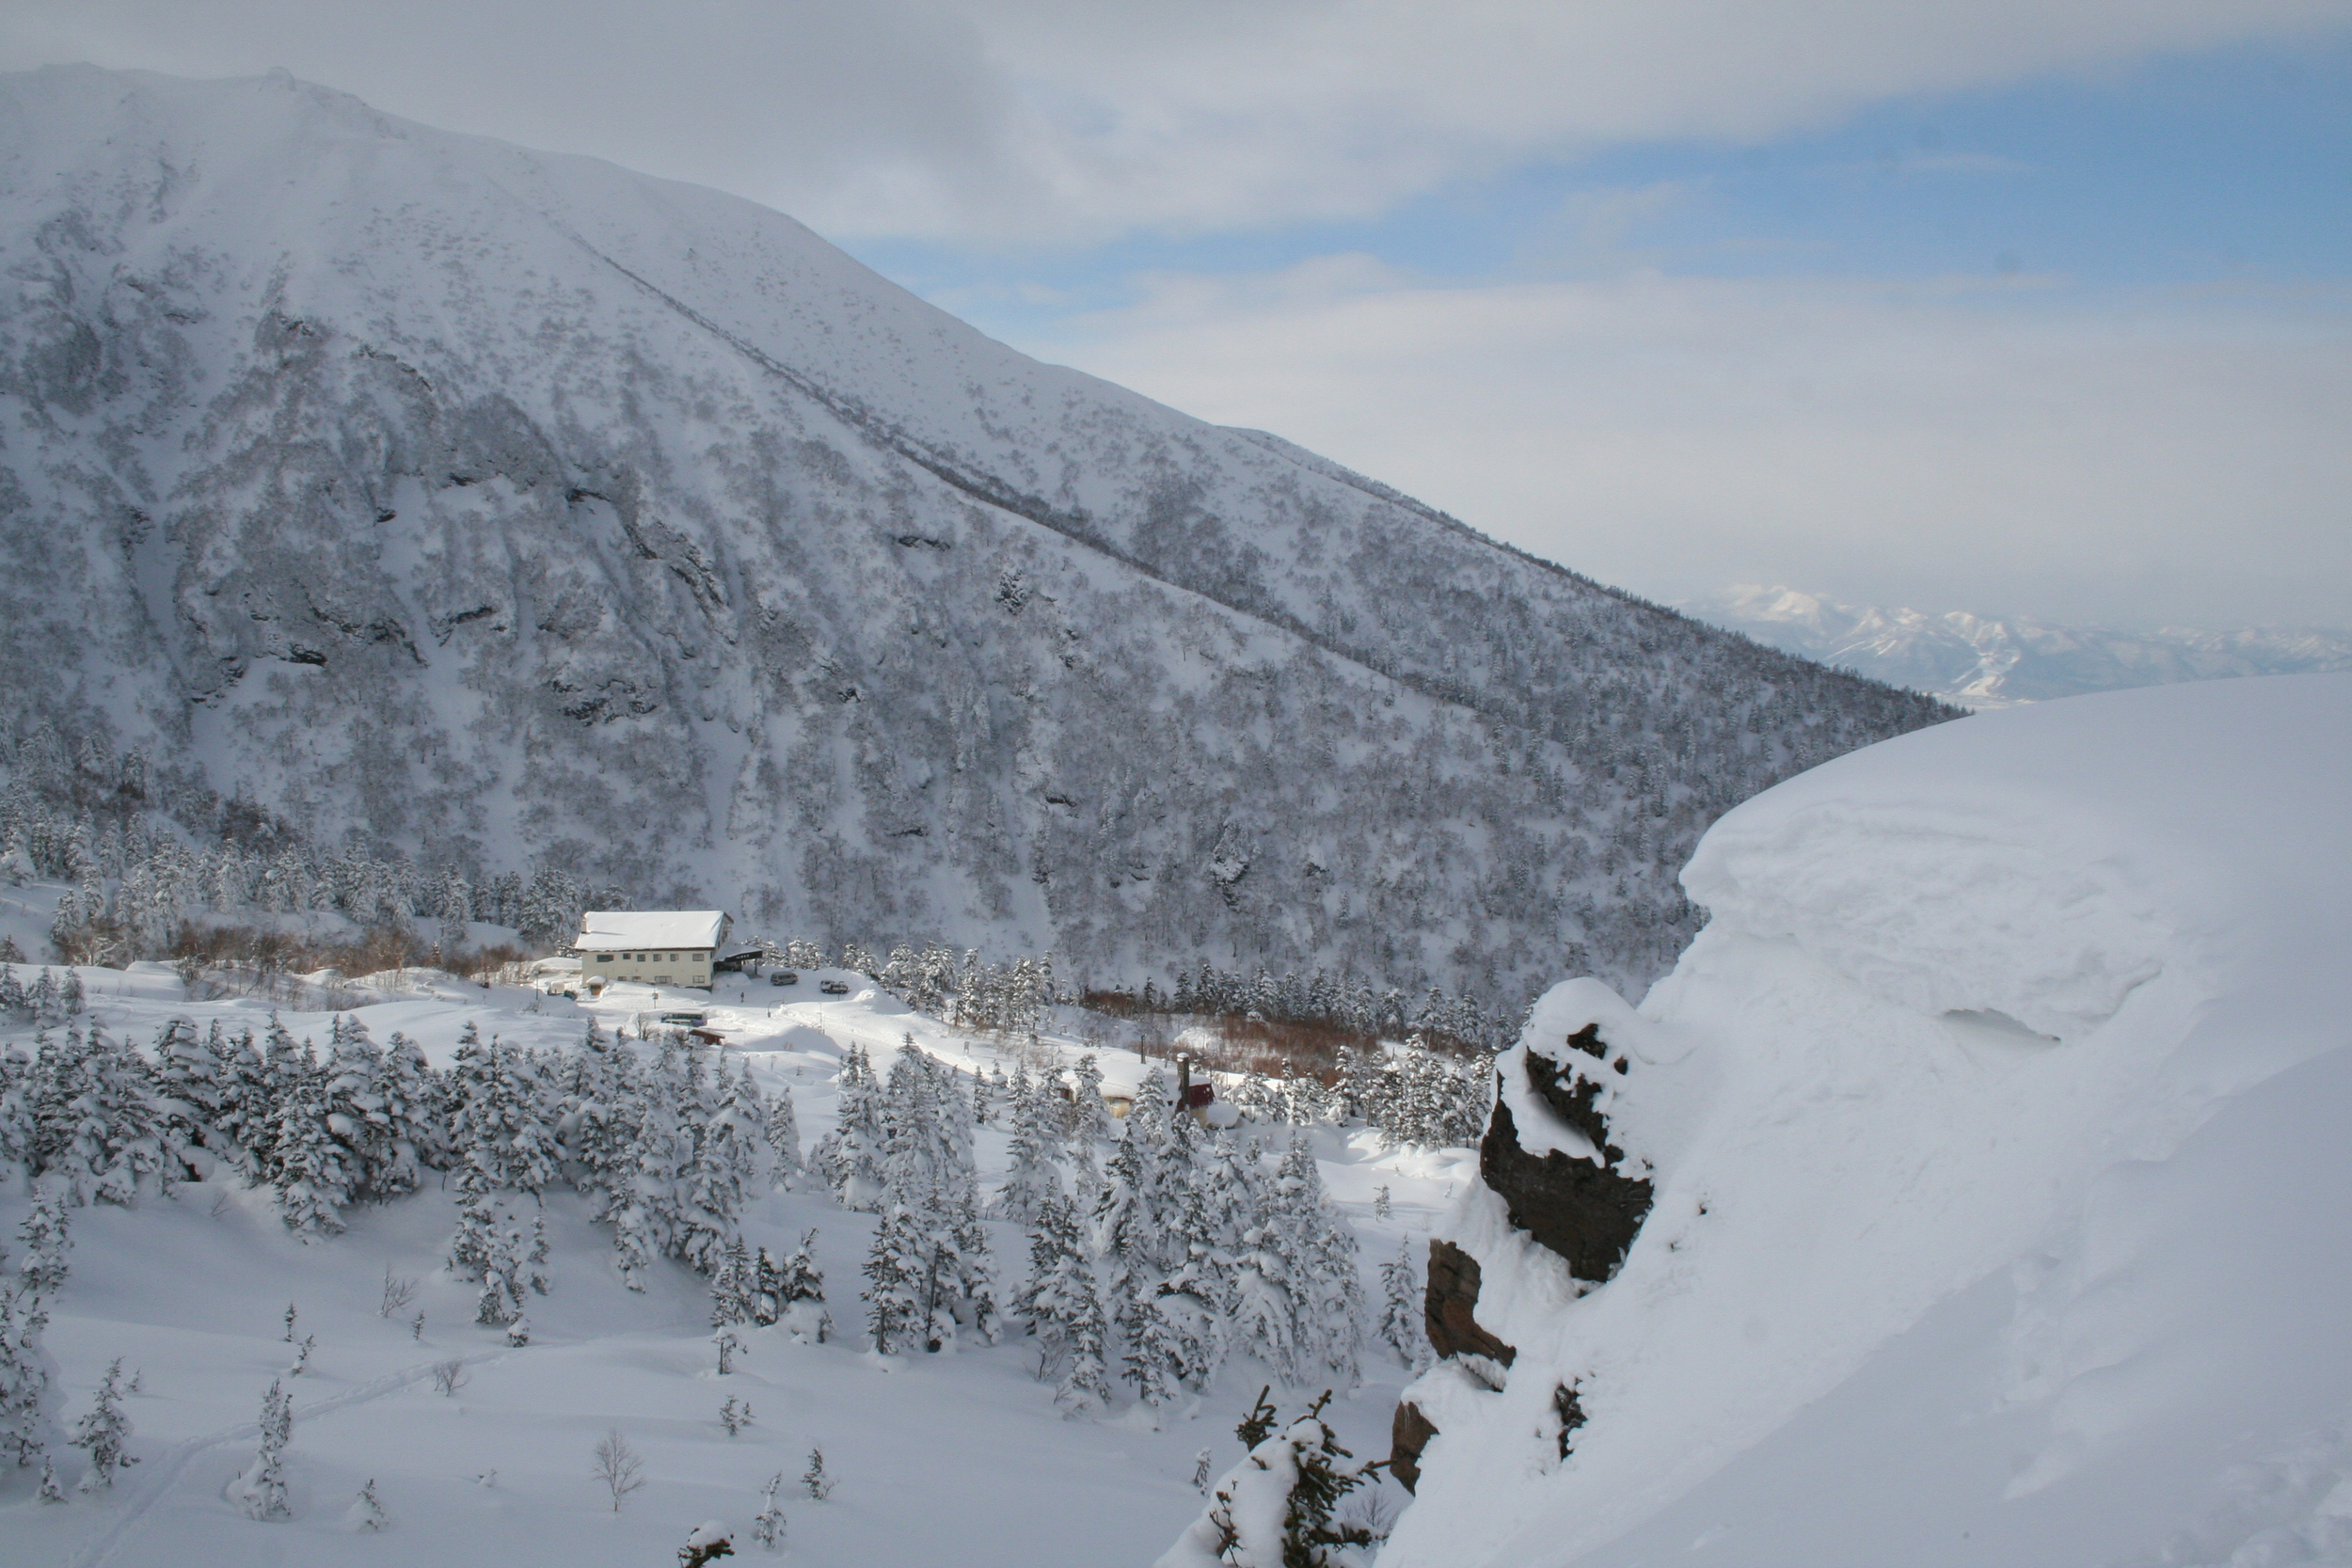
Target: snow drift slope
point(501, 505)
point(1996, 1122)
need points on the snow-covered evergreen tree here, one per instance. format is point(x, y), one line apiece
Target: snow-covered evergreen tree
point(767, 1524)
point(800, 1293)
point(46, 1234)
point(1035, 1176)
point(1089, 1114)
point(96, 1124)
point(897, 1268)
point(246, 1121)
point(1275, 1508)
point(188, 1072)
point(728, 1133)
point(498, 1115)
point(783, 1137)
point(851, 1154)
point(367, 1514)
point(105, 1432)
point(409, 1096)
point(962, 1294)
point(1064, 1309)
point(734, 1287)
point(260, 1489)
point(1326, 1283)
point(1401, 1310)
point(311, 1183)
point(27, 1372)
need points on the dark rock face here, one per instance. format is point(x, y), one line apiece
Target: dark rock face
point(1585, 1211)
point(1408, 1435)
point(1448, 1302)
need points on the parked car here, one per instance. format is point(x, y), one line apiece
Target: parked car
point(784, 978)
point(836, 988)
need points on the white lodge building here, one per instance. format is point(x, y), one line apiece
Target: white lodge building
point(649, 947)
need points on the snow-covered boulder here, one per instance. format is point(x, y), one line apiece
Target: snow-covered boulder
point(1994, 1127)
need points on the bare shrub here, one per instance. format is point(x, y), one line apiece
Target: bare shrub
point(618, 1468)
point(399, 1292)
point(450, 1377)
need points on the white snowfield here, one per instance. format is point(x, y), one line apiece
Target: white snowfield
point(2004, 1198)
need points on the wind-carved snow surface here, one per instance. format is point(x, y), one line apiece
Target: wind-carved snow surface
point(1996, 1119)
point(496, 507)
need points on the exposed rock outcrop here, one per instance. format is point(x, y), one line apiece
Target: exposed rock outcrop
point(1586, 1210)
point(1448, 1308)
point(1408, 1435)
point(1448, 1302)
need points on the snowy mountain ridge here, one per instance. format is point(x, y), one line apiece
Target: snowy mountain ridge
point(1987, 662)
point(431, 497)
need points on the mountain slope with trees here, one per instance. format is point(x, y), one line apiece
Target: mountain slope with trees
point(410, 496)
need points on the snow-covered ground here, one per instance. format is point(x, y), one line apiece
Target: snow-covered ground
point(2002, 1186)
point(954, 1458)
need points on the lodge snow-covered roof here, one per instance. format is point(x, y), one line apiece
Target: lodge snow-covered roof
point(651, 928)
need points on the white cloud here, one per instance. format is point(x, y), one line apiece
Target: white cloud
point(1995, 444)
point(1021, 120)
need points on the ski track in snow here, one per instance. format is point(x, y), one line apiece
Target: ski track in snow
point(169, 1466)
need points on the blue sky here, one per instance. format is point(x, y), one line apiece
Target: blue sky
point(2228, 166)
point(1961, 304)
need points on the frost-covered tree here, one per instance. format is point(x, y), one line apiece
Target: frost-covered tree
point(189, 1069)
point(409, 1096)
point(783, 1137)
point(927, 1136)
point(727, 1134)
point(963, 1285)
point(246, 1121)
point(27, 1372)
point(1401, 1310)
point(105, 1432)
point(600, 1121)
point(1064, 1309)
point(1089, 1114)
point(850, 1158)
point(46, 1234)
point(897, 1265)
point(1328, 1284)
point(799, 1293)
point(367, 1514)
point(498, 1116)
point(734, 1287)
point(1035, 1175)
point(97, 1127)
point(769, 1523)
point(260, 1489)
point(311, 1183)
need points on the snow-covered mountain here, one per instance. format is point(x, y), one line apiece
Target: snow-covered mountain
point(1984, 662)
point(1972, 1192)
point(441, 497)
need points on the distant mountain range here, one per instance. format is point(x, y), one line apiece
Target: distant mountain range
point(1985, 661)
